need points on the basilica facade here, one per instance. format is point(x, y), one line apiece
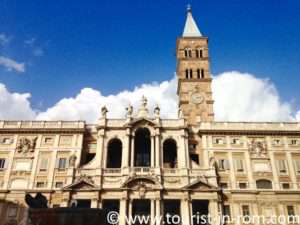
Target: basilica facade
point(143, 164)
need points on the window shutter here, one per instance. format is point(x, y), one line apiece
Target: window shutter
point(226, 164)
point(298, 166)
point(5, 164)
point(281, 166)
point(239, 165)
point(66, 163)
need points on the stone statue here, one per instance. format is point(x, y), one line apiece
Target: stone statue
point(104, 112)
point(72, 160)
point(180, 113)
point(143, 110)
point(129, 110)
point(157, 111)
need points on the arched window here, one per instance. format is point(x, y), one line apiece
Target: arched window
point(263, 184)
point(191, 73)
point(199, 53)
point(187, 53)
point(202, 73)
point(198, 74)
point(142, 148)
point(114, 154)
point(170, 153)
point(187, 74)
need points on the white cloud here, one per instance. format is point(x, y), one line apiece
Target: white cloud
point(15, 106)
point(238, 97)
point(11, 64)
point(4, 39)
point(243, 97)
point(298, 116)
point(86, 105)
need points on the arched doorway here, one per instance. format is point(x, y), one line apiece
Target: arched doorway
point(114, 154)
point(142, 148)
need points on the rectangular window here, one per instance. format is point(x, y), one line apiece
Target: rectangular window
point(239, 165)
point(40, 184)
point(62, 163)
point(59, 184)
point(44, 164)
point(245, 210)
point(2, 164)
point(223, 164)
point(227, 214)
point(235, 141)
point(281, 166)
point(242, 185)
point(219, 141)
point(290, 210)
point(285, 186)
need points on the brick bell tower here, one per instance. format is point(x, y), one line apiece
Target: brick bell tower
point(194, 79)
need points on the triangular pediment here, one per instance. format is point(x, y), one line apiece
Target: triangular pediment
point(139, 121)
point(81, 184)
point(200, 184)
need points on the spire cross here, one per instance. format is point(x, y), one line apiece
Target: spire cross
point(189, 8)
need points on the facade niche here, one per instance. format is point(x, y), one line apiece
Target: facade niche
point(263, 184)
point(114, 154)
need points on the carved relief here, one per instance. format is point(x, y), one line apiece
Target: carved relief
point(257, 148)
point(26, 144)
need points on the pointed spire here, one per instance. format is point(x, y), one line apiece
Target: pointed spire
point(190, 29)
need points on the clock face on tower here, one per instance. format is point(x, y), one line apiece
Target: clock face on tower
point(197, 98)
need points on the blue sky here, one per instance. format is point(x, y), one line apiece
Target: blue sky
point(116, 45)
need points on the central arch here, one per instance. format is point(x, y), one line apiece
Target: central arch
point(142, 148)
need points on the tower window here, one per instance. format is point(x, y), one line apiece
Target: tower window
point(198, 74)
point(202, 73)
point(199, 53)
point(191, 73)
point(187, 53)
point(187, 74)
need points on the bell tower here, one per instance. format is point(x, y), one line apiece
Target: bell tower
point(194, 79)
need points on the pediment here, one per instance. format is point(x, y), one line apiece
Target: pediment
point(139, 121)
point(81, 184)
point(138, 181)
point(200, 184)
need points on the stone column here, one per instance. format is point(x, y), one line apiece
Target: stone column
point(126, 151)
point(185, 212)
point(152, 212)
point(130, 211)
point(122, 212)
point(255, 212)
point(100, 148)
point(132, 152)
point(249, 170)
point(214, 211)
point(187, 154)
point(158, 210)
point(152, 157)
point(182, 153)
point(232, 171)
point(292, 171)
point(276, 184)
point(204, 162)
point(157, 151)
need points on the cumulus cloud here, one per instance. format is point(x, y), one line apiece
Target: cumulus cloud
point(238, 97)
point(86, 105)
point(243, 97)
point(15, 106)
point(10, 64)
